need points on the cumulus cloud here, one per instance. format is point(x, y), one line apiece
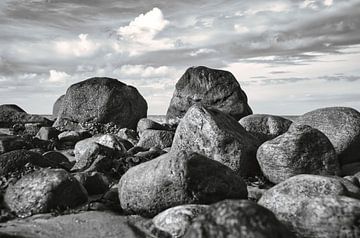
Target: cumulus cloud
point(143, 71)
point(58, 76)
point(202, 51)
point(79, 48)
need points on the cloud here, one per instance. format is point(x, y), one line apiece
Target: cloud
point(79, 48)
point(58, 76)
point(202, 51)
point(143, 71)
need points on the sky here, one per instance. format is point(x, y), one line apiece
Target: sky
point(289, 56)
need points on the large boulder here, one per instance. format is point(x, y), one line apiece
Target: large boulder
point(219, 137)
point(210, 87)
point(237, 218)
point(12, 114)
point(329, 217)
point(44, 190)
point(286, 200)
point(57, 106)
point(265, 127)
point(341, 125)
point(101, 100)
point(176, 179)
point(301, 150)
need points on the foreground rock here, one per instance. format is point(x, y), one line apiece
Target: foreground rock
point(286, 200)
point(265, 127)
point(342, 126)
point(44, 190)
point(12, 114)
point(219, 137)
point(82, 225)
point(176, 220)
point(160, 138)
point(211, 88)
point(301, 150)
point(237, 218)
point(176, 179)
point(101, 100)
point(329, 217)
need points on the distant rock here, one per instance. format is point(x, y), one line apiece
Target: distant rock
point(57, 105)
point(160, 138)
point(176, 220)
point(11, 114)
point(219, 137)
point(301, 150)
point(101, 100)
point(211, 88)
point(44, 190)
point(237, 218)
point(176, 179)
point(341, 125)
point(265, 127)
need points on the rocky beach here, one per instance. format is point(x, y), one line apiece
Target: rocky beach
point(99, 166)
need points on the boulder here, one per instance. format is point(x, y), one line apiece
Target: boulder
point(329, 217)
point(13, 114)
point(176, 179)
point(176, 220)
point(286, 199)
point(59, 159)
point(342, 126)
point(101, 100)
point(112, 142)
point(10, 142)
point(47, 133)
point(44, 190)
point(146, 124)
point(219, 137)
point(265, 127)
point(160, 138)
point(211, 88)
point(301, 150)
point(81, 225)
point(57, 106)
point(237, 218)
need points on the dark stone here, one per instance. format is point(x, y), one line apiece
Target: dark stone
point(265, 127)
point(211, 88)
point(93, 182)
point(48, 133)
point(44, 190)
point(58, 158)
point(129, 135)
point(101, 100)
point(176, 179)
point(342, 126)
point(219, 137)
point(237, 218)
point(9, 143)
point(301, 150)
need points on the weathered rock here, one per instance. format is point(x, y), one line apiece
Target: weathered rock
point(219, 137)
point(9, 143)
point(57, 106)
point(342, 126)
point(13, 114)
point(44, 190)
point(301, 150)
point(146, 124)
point(176, 220)
point(47, 133)
point(176, 179)
point(160, 138)
point(211, 88)
point(265, 127)
point(32, 128)
point(286, 199)
point(15, 161)
point(93, 182)
point(72, 137)
point(59, 159)
point(237, 218)
point(111, 142)
point(101, 100)
point(82, 225)
point(129, 135)
point(329, 217)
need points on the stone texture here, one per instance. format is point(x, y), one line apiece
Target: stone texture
point(82, 225)
point(10, 142)
point(219, 137)
point(176, 220)
point(58, 159)
point(47, 133)
point(342, 126)
point(265, 127)
point(286, 199)
point(301, 150)
point(145, 124)
point(44, 190)
point(237, 218)
point(160, 138)
point(176, 179)
point(101, 100)
point(211, 88)
point(57, 106)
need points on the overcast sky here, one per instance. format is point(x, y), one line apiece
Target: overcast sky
point(289, 56)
